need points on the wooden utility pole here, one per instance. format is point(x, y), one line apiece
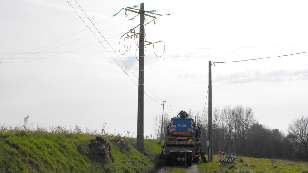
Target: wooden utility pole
point(210, 128)
point(140, 119)
point(162, 121)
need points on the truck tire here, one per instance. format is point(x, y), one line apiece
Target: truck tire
point(190, 160)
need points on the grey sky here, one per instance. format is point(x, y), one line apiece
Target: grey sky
point(52, 67)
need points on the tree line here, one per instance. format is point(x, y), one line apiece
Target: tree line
point(235, 130)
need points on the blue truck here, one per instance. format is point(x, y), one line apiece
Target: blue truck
point(182, 141)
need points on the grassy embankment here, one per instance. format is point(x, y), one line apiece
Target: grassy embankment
point(63, 152)
point(256, 165)
point(249, 165)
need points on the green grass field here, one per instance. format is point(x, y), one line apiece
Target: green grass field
point(248, 165)
point(57, 151)
point(44, 152)
point(255, 165)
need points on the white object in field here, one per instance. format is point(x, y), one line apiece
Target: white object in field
point(26, 121)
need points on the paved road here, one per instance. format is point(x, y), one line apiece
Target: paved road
point(162, 170)
point(192, 169)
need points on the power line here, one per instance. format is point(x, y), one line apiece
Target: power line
point(256, 59)
point(83, 21)
point(253, 59)
point(93, 24)
point(34, 53)
point(210, 130)
point(96, 31)
point(162, 54)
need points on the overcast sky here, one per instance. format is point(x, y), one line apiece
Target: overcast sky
point(56, 68)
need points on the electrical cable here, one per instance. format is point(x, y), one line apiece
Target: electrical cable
point(256, 59)
point(109, 44)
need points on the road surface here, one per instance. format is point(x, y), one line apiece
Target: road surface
point(192, 169)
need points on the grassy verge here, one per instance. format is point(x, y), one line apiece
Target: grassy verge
point(255, 165)
point(59, 151)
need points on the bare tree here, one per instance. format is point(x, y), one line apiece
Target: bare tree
point(236, 130)
point(299, 129)
point(158, 125)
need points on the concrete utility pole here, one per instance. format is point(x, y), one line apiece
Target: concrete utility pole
point(132, 34)
point(140, 119)
point(162, 121)
point(210, 130)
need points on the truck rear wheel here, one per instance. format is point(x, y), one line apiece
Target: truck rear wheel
point(188, 160)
